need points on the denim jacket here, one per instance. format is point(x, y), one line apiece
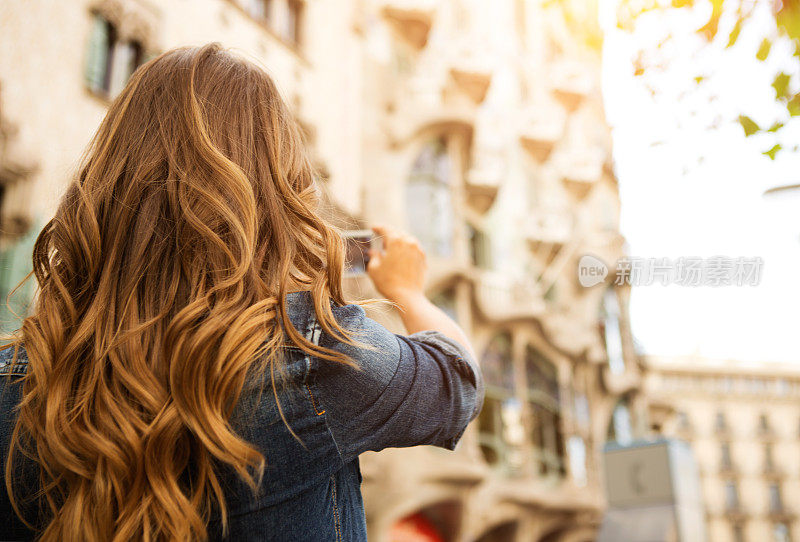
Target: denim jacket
point(418, 389)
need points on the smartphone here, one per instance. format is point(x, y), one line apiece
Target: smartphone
point(357, 245)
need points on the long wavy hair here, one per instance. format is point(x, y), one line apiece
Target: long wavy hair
point(162, 283)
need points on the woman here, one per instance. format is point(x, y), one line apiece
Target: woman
point(190, 369)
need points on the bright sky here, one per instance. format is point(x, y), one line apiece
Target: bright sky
point(673, 205)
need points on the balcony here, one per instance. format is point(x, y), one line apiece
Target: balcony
point(410, 20)
point(474, 83)
point(781, 514)
point(483, 182)
point(571, 84)
point(580, 170)
point(501, 297)
point(540, 132)
point(548, 227)
point(722, 431)
point(735, 513)
point(773, 471)
point(766, 433)
point(539, 142)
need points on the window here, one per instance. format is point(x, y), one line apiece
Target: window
point(720, 423)
point(501, 433)
point(731, 496)
point(725, 457)
point(294, 22)
point(110, 61)
point(545, 407)
point(763, 424)
point(621, 429)
point(727, 384)
point(258, 9)
point(429, 199)
point(775, 499)
point(480, 248)
point(780, 532)
point(582, 415)
point(577, 460)
point(610, 314)
point(769, 461)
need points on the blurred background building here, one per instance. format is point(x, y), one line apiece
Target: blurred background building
point(743, 423)
point(478, 127)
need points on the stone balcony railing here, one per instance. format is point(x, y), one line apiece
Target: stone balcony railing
point(571, 84)
point(548, 225)
point(470, 68)
point(540, 131)
point(582, 165)
point(501, 297)
point(483, 181)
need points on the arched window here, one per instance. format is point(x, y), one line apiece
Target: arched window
point(610, 314)
point(545, 407)
point(429, 198)
point(500, 428)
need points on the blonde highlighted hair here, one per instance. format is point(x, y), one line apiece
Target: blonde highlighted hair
point(162, 285)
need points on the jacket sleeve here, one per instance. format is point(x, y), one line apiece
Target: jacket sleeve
point(418, 389)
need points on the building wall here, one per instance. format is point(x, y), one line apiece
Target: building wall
point(705, 393)
point(505, 96)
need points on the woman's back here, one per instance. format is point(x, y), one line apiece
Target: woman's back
point(192, 365)
point(420, 389)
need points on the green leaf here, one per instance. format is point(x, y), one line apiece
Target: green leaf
point(737, 29)
point(775, 127)
point(794, 106)
point(749, 125)
point(781, 85)
point(773, 151)
point(788, 18)
point(699, 79)
point(763, 50)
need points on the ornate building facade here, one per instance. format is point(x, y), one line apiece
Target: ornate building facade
point(476, 126)
point(743, 424)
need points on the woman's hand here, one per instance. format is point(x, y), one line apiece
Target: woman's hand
point(398, 271)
